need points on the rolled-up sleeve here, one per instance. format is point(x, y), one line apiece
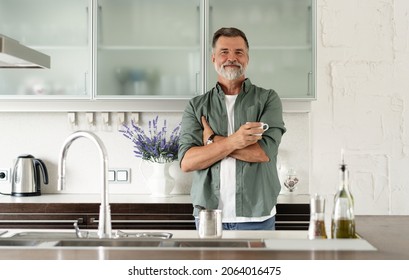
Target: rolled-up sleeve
point(273, 116)
point(191, 131)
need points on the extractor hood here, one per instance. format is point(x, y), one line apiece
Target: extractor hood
point(15, 55)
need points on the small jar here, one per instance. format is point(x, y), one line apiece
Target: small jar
point(316, 229)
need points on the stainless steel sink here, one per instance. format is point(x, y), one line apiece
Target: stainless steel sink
point(107, 243)
point(53, 242)
point(219, 244)
point(164, 243)
point(120, 239)
point(87, 235)
point(41, 235)
point(13, 242)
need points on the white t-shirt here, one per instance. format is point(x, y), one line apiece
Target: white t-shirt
point(227, 202)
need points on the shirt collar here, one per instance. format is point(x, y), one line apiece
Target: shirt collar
point(244, 87)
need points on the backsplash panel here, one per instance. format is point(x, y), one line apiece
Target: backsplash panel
point(42, 134)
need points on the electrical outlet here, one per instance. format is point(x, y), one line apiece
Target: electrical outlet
point(4, 174)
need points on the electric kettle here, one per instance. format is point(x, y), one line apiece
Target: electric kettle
point(26, 176)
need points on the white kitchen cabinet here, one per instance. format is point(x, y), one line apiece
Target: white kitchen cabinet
point(144, 55)
point(148, 48)
point(280, 34)
point(59, 29)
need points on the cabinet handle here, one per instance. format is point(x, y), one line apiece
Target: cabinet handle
point(80, 220)
point(196, 83)
point(309, 83)
point(309, 24)
point(87, 17)
point(93, 220)
point(204, 36)
point(293, 222)
point(85, 82)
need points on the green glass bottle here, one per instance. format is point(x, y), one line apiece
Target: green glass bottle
point(343, 218)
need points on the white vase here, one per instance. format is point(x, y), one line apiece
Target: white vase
point(159, 180)
point(183, 180)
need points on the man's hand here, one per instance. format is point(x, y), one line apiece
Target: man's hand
point(246, 135)
point(207, 130)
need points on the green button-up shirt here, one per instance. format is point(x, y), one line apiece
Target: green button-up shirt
point(257, 184)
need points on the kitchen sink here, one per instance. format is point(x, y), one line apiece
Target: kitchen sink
point(13, 242)
point(219, 244)
point(107, 243)
point(120, 239)
point(40, 235)
point(117, 234)
point(167, 243)
point(31, 240)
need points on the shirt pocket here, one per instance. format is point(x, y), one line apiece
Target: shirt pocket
point(253, 113)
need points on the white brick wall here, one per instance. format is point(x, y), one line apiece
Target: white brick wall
point(363, 94)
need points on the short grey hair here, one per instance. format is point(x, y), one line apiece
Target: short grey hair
point(229, 32)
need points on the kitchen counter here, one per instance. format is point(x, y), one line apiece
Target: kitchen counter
point(388, 234)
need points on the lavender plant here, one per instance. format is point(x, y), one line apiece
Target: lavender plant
point(155, 146)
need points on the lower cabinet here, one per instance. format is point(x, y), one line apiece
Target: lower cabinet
point(123, 216)
point(148, 216)
point(293, 216)
point(166, 216)
point(41, 221)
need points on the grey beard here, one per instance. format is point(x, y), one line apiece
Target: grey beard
point(230, 75)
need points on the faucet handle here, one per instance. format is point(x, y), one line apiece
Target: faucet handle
point(80, 234)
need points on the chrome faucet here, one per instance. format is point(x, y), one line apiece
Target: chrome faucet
point(104, 225)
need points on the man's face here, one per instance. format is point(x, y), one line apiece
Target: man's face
point(230, 57)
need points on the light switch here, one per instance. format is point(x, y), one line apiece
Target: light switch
point(122, 175)
point(111, 175)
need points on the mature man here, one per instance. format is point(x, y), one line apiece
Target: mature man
point(223, 142)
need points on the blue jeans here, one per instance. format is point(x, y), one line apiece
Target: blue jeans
point(268, 224)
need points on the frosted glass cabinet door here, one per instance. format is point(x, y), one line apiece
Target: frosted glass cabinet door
point(148, 48)
point(57, 28)
point(281, 42)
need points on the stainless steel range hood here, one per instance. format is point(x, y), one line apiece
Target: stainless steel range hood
point(15, 55)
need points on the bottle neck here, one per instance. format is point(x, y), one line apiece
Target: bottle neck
point(344, 178)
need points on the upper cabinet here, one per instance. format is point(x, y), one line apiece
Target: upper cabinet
point(60, 29)
point(148, 48)
point(281, 38)
point(155, 51)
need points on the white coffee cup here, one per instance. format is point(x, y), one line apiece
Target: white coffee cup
point(264, 126)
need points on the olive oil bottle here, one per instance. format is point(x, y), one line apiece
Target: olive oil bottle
point(343, 219)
